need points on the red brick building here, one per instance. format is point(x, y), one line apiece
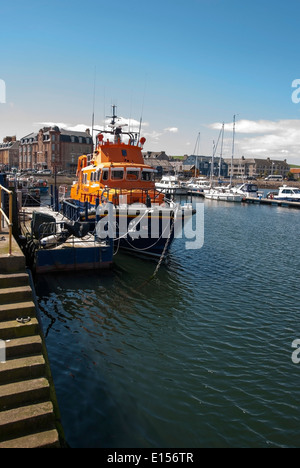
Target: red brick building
point(52, 148)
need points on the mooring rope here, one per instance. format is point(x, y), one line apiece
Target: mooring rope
point(163, 252)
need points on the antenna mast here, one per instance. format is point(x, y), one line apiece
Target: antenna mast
point(93, 116)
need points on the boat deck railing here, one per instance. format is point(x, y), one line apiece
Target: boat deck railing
point(118, 195)
point(53, 234)
point(70, 211)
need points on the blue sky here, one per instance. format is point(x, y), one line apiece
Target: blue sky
point(186, 66)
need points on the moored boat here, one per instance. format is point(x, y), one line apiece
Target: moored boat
point(221, 194)
point(42, 185)
point(198, 186)
point(248, 190)
point(171, 185)
point(291, 194)
point(116, 192)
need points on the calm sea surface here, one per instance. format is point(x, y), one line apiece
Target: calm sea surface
point(200, 356)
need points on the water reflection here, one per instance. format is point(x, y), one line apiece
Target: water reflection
point(200, 356)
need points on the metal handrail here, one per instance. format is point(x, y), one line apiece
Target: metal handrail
point(9, 218)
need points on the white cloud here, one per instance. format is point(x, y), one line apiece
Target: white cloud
point(265, 138)
point(51, 124)
point(171, 129)
point(153, 136)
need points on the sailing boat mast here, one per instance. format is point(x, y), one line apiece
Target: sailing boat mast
point(196, 153)
point(221, 152)
point(212, 163)
point(232, 155)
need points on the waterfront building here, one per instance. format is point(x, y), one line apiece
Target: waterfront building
point(255, 167)
point(9, 153)
point(160, 161)
point(296, 173)
point(203, 165)
point(54, 148)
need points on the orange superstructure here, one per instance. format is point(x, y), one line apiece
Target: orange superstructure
point(115, 169)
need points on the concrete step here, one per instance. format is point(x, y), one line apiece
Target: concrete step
point(13, 329)
point(14, 310)
point(26, 420)
point(12, 264)
point(24, 368)
point(14, 295)
point(13, 280)
point(47, 439)
point(27, 346)
point(24, 393)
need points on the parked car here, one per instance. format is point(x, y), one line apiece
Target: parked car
point(275, 178)
point(45, 172)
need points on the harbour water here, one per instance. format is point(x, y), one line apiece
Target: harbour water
point(199, 357)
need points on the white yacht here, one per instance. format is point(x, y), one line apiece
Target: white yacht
point(247, 190)
point(171, 185)
point(223, 194)
point(198, 186)
point(288, 194)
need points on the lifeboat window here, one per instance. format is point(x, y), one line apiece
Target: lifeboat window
point(98, 176)
point(147, 175)
point(132, 175)
point(124, 153)
point(84, 181)
point(105, 174)
point(117, 174)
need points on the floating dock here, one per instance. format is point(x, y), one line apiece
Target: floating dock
point(272, 202)
point(29, 414)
